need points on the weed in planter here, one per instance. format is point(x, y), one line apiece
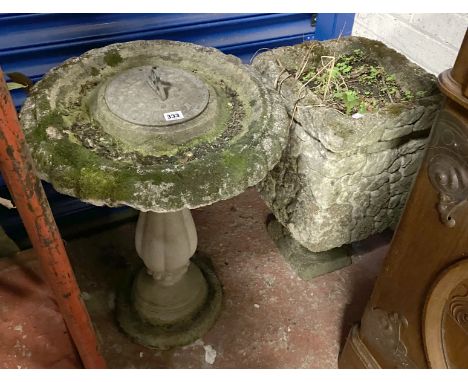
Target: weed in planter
point(351, 101)
point(407, 95)
point(355, 83)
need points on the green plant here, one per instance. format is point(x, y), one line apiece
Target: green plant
point(306, 77)
point(391, 78)
point(343, 67)
point(353, 83)
point(358, 53)
point(407, 95)
point(350, 100)
point(375, 72)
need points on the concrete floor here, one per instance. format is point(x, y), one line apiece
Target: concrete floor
point(270, 317)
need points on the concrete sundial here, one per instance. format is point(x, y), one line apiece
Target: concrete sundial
point(160, 126)
point(148, 95)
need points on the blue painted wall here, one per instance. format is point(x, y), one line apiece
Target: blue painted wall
point(34, 43)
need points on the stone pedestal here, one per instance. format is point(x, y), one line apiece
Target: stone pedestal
point(171, 301)
point(160, 126)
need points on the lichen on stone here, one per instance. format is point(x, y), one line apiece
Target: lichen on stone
point(73, 151)
point(342, 179)
point(112, 57)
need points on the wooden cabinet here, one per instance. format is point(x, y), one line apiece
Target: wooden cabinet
point(417, 316)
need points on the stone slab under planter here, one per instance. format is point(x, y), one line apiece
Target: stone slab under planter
point(305, 263)
point(343, 179)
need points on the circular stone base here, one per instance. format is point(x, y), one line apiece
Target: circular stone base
point(168, 336)
point(162, 305)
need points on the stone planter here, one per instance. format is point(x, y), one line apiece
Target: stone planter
point(341, 178)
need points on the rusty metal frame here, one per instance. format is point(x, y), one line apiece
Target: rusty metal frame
point(17, 168)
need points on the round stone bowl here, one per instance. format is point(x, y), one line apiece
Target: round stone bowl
point(95, 135)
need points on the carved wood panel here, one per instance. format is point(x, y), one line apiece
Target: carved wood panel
point(383, 331)
point(418, 312)
point(448, 165)
point(445, 326)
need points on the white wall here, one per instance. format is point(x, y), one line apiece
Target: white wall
point(430, 40)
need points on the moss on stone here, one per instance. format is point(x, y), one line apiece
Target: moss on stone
point(157, 150)
point(395, 109)
point(236, 163)
point(113, 57)
point(94, 71)
point(52, 119)
point(67, 152)
point(96, 184)
point(85, 161)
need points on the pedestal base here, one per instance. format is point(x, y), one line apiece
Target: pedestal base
point(166, 336)
point(306, 264)
point(163, 305)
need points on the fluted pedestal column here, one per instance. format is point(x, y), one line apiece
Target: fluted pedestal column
point(171, 301)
